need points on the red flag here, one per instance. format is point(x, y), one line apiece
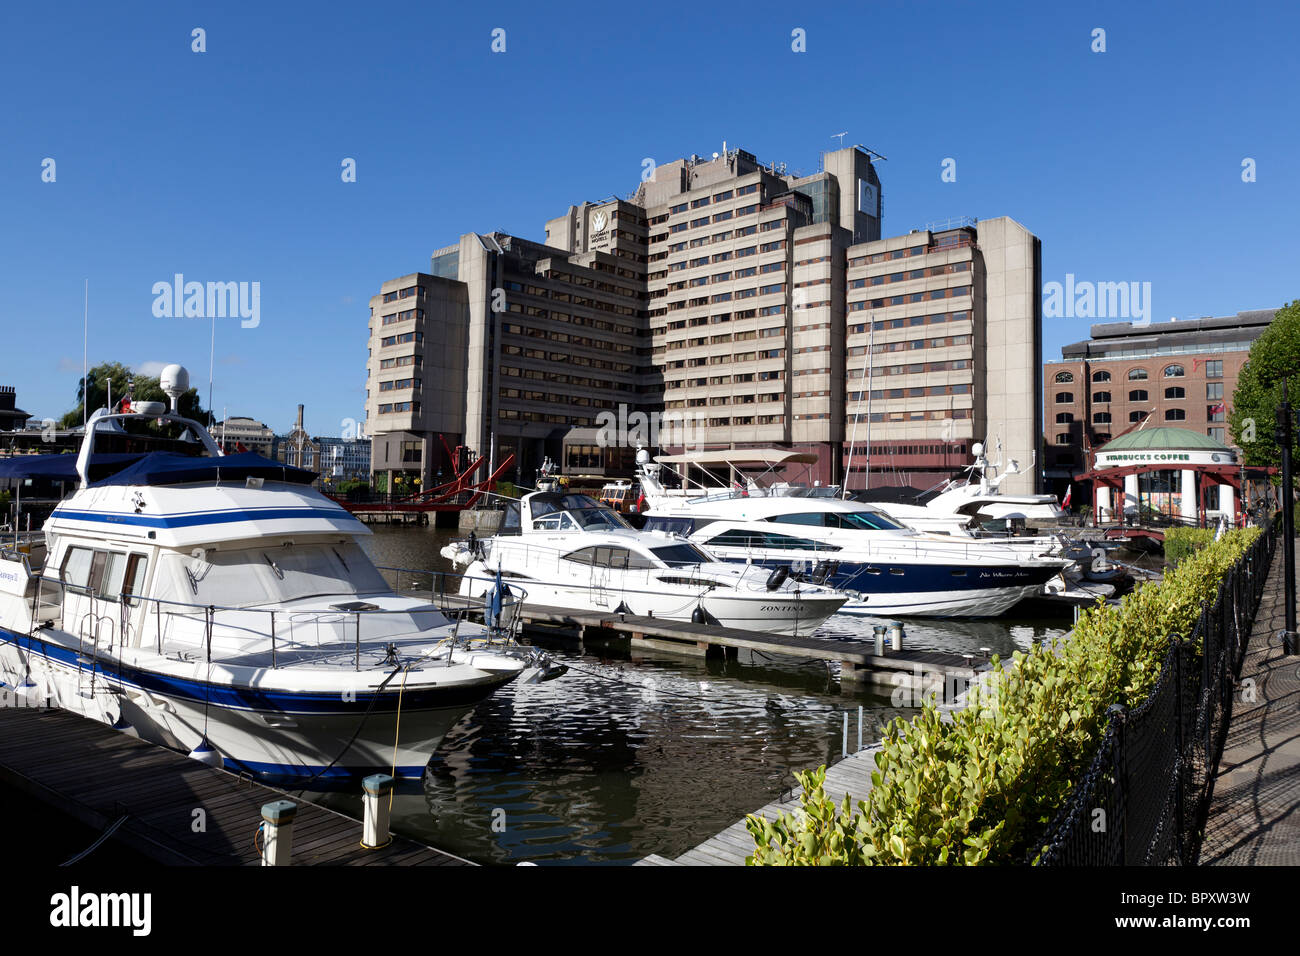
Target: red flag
point(1065, 502)
point(1219, 408)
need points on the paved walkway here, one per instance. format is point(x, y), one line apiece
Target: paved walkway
point(1255, 809)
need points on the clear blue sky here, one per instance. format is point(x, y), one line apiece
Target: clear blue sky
point(225, 165)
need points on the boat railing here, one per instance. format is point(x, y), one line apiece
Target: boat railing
point(289, 634)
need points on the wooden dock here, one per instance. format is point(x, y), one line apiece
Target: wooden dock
point(857, 658)
point(99, 776)
point(851, 776)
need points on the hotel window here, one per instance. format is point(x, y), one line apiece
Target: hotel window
point(1216, 434)
point(1137, 375)
point(1174, 371)
point(1137, 395)
point(1101, 376)
point(1063, 438)
point(1064, 418)
point(1175, 391)
point(1136, 416)
point(1064, 378)
point(1101, 418)
point(1101, 397)
point(1175, 414)
point(1214, 390)
point(1064, 398)
point(1214, 370)
point(1214, 413)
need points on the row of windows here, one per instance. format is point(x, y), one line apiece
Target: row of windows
point(1173, 392)
point(926, 273)
point(402, 360)
point(933, 294)
point(399, 407)
point(1213, 369)
point(402, 339)
point(399, 384)
point(933, 415)
point(910, 321)
point(406, 293)
point(888, 256)
point(1213, 413)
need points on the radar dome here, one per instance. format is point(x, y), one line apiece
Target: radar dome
point(175, 381)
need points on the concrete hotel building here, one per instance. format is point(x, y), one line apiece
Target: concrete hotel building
point(1177, 373)
point(728, 292)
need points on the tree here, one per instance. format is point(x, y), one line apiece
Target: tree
point(1274, 356)
point(147, 389)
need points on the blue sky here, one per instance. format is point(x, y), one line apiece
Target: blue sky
point(225, 165)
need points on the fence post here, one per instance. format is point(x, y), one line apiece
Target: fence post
point(1118, 713)
point(1180, 765)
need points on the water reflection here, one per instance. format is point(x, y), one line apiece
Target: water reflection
point(632, 753)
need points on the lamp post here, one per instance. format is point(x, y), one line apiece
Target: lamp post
point(1291, 641)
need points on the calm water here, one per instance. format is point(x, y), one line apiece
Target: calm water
point(631, 753)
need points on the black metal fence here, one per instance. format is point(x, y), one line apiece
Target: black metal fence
point(1146, 795)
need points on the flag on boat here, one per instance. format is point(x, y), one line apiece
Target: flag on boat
point(1065, 502)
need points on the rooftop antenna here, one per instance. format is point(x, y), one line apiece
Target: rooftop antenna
point(841, 136)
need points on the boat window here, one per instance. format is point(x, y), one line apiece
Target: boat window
point(510, 519)
point(681, 526)
point(680, 555)
point(76, 567)
point(868, 521)
point(585, 556)
point(815, 518)
point(559, 521)
point(133, 580)
point(741, 538)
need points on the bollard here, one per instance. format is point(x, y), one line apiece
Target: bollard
point(859, 726)
point(844, 745)
point(374, 833)
point(277, 830)
point(896, 636)
point(987, 652)
point(879, 631)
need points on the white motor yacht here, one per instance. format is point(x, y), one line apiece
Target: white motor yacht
point(566, 550)
point(221, 606)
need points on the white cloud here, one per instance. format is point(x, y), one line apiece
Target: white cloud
point(150, 369)
point(69, 365)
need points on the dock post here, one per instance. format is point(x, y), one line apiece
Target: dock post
point(277, 829)
point(375, 829)
point(896, 636)
point(879, 631)
point(844, 746)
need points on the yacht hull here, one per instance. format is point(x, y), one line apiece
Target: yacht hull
point(269, 733)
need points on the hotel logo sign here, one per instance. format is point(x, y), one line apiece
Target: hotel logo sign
point(599, 236)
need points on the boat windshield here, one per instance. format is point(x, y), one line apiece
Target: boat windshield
point(599, 519)
point(680, 555)
point(268, 575)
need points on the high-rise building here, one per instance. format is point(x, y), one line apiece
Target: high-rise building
point(734, 302)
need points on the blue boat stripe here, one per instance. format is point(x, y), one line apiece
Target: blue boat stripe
point(248, 699)
point(200, 518)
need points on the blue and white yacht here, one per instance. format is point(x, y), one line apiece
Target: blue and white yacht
point(221, 606)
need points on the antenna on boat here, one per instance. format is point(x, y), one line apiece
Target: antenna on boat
point(85, 354)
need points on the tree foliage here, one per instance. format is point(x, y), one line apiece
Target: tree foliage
point(147, 389)
point(1274, 356)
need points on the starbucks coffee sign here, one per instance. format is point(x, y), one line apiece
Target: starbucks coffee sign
point(1172, 458)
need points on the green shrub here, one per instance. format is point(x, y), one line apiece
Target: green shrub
point(983, 787)
point(1180, 542)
